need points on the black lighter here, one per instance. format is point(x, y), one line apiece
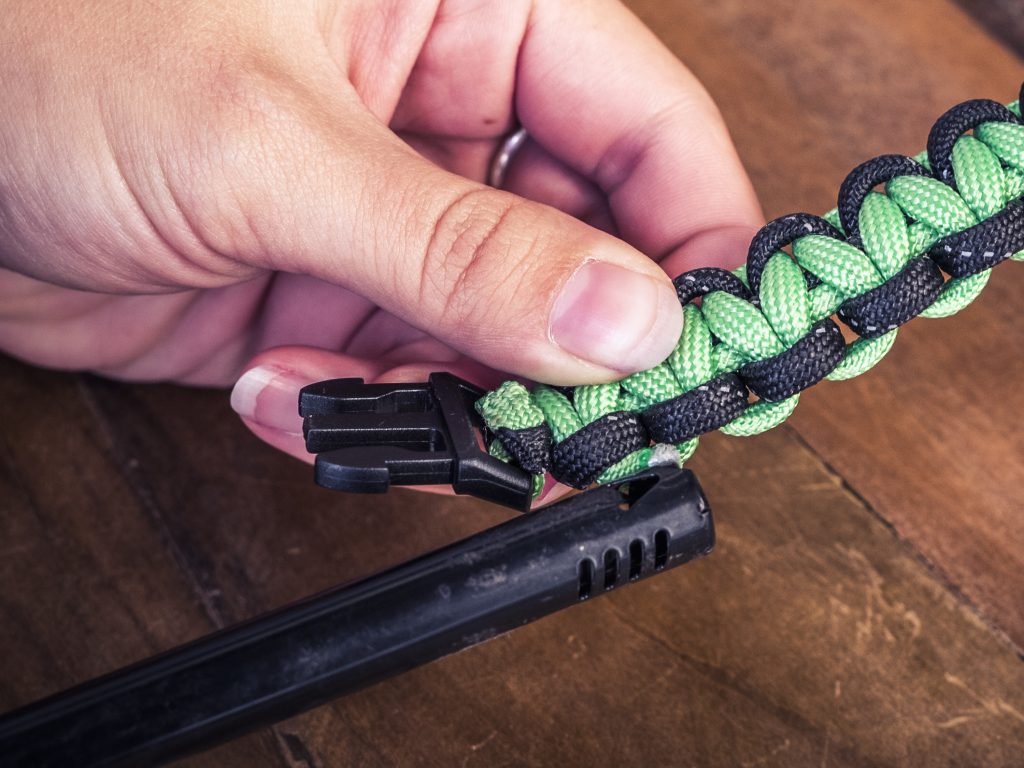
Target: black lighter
point(297, 657)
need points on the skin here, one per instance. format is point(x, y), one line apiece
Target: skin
point(193, 190)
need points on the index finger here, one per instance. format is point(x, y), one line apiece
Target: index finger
point(601, 93)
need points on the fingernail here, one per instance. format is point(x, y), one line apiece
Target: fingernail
point(269, 396)
point(616, 318)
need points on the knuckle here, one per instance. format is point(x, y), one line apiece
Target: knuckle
point(248, 146)
point(244, 92)
point(476, 247)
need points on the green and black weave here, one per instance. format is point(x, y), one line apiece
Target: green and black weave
point(924, 246)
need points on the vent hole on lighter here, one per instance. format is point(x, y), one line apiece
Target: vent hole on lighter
point(611, 568)
point(661, 548)
point(636, 558)
point(586, 578)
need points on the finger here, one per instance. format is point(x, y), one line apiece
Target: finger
point(514, 284)
point(534, 173)
point(464, 80)
point(469, 158)
point(602, 94)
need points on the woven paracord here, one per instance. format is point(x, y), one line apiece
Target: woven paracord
point(530, 446)
point(691, 414)
point(982, 246)
point(804, 364)
point(900, 298)
point(874, 262)
point(585, 454)
point(784, 231)
point(864, 178)
point(700, 282)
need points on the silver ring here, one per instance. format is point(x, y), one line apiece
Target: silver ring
point(499, 165)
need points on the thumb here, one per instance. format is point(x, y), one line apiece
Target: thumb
point(514, 284)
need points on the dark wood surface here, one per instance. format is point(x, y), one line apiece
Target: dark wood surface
point(864, 604)
point(1004, 19)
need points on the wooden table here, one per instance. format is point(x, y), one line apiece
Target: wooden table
point(865, 605)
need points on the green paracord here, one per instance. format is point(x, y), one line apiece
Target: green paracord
point(724, 332)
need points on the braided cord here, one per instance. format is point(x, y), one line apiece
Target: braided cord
point(765, 332)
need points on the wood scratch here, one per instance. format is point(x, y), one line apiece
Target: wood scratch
point(879, 617)
point(784, 746)
point(473, 748)
point(986, 707)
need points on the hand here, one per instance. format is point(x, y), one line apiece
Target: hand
point(187, 185)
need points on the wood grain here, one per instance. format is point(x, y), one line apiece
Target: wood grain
point(865, 554)
point(89, 580)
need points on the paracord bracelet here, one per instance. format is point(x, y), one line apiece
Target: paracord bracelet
point(761, 335)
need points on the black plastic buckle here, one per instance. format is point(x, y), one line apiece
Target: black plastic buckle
point(368, 437)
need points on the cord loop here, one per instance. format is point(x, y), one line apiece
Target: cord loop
point(953, 124)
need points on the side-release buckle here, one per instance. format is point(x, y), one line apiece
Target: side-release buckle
point(368, 437)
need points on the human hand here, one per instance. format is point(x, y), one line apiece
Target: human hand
point(188, 185)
